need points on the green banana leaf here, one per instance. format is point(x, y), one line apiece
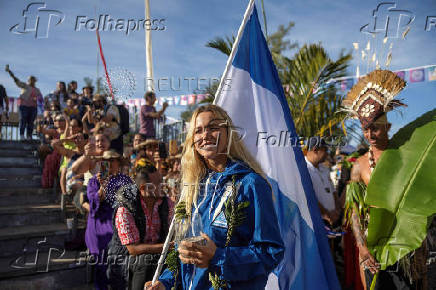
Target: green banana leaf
point(403, 191)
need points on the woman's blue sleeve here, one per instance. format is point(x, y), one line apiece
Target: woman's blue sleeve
point(167, 279)
point(265, 249)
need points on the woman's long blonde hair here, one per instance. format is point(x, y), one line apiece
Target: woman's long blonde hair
point(194, 167)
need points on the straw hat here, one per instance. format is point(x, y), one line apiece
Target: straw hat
point(110, 155)
point(146, 143)
point(98, 97)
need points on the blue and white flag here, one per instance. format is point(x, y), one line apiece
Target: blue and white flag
point(255, 101)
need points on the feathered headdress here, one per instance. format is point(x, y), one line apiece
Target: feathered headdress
point(126, 197)
point(373, 96)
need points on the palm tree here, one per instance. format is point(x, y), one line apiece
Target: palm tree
point(223, 44)
point(312, 98)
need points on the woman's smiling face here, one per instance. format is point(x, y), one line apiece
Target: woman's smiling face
point(210, 135)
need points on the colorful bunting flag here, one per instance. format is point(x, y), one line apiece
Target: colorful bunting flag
point(191, 100)
point(416, 75)
point(183, 100)
point(200, 98)
point(431, 73)
point(170, 100)
point(401, 74)
point(176, 100)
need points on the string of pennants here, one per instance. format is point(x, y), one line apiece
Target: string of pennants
point(411, 75)
point(182, 100)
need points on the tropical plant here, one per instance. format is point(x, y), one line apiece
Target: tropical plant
point(312, 97)
point(401, 192)
point(223, 44)
point(277, 44)
point(186, 115)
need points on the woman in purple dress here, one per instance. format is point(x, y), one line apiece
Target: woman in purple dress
point(101, 192)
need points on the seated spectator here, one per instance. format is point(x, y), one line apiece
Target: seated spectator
point(164, 168)
point(72, 87)
point(86, 96)
point(173, 177)
point(148, 114)
point(137, 139)
point(53, 159)
point(72, 128)
point(74, 182)
point(61, 94)
point(71, 109)
point(148, 150)
point(112, 117)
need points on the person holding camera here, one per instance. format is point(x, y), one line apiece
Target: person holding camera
point(101, 167)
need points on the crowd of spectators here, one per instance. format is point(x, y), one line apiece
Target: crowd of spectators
point(88, 150)
point(125, 184)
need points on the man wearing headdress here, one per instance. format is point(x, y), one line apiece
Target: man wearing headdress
point(369, 101)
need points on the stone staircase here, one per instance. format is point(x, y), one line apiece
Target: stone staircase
point(33, 230)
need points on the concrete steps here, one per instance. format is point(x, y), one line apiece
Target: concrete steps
point(18, 145)
point(19, 162)
point(17, 153)
point(23, 215)
point(16, 180)
point(25, 196)
point(33, 231)
point(55, 269)
point(16, 240)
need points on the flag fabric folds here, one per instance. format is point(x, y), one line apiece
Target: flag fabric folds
point(257, 105)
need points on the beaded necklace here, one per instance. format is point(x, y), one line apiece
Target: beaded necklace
point(371, 159)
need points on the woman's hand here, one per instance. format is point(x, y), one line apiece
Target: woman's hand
point(102, 181)
point(192, 253)
point(90, 149)
point(156, 286)
point(367, 260)
point(101, 193)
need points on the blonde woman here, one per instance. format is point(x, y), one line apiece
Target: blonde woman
point(233, 201)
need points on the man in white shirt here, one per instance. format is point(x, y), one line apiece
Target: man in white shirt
point(322, 185)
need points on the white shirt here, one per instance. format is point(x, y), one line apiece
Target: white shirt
point(322, 185)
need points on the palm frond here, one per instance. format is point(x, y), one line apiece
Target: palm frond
point(223, 44)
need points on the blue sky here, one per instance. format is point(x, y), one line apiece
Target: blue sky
point(179, 51)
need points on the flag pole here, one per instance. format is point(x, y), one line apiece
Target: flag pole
point(235, 45)
point(164, 252)
point(166, 245)
point(232, 54)
point(148, 50)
